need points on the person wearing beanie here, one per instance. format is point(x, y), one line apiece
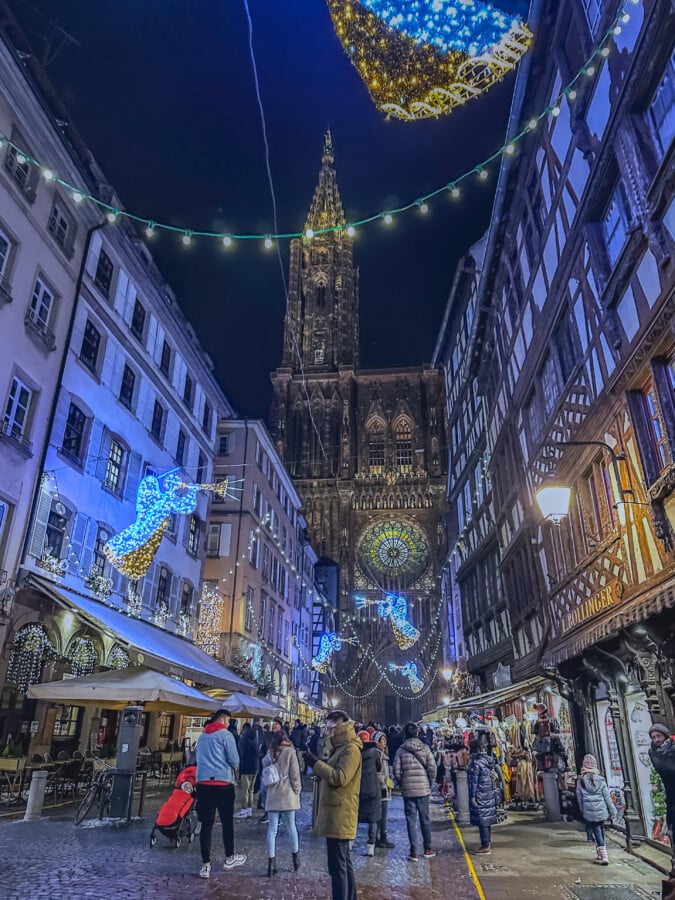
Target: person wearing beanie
point(662, 755)
point(415, 771)
point(386, 784)
point(370, 798)
point(595, 803)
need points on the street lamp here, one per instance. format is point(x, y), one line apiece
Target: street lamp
point(554, 502)
point(446, 673)
point(334, 702)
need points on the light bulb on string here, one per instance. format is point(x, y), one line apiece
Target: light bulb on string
point(424, 208)
point(309, 234)
point(388, 218)
point(351, 231)
point(77, 197)
point(112, 216)
point(268, 243)
point(47, 174)
point(227, 241)
point(187, 238)
point(150, 230)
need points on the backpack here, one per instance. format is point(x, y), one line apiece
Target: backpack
point(270, 775)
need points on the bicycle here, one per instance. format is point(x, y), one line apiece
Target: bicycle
point(99, 790)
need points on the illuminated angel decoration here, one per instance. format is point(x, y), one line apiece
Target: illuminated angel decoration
point(329, 644)
point(409, 671)
point(395, 608)
point(422, 58)
point(158, 497)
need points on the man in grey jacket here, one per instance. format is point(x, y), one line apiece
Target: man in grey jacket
point(415, 771)
point(217, 760)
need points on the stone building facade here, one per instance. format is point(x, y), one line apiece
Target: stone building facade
point(366, 450)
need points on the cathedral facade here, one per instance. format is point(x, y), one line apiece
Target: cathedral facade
point(367, 452)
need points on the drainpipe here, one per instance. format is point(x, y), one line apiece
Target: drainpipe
point(241, 516)
point(55, 400)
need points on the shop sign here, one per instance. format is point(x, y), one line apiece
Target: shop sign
point(603, 599)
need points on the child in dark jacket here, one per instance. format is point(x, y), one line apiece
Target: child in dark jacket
point(370, 795)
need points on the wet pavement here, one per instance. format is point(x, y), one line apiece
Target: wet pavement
point(53, 858)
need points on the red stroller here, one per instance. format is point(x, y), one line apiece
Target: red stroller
point(176, 819)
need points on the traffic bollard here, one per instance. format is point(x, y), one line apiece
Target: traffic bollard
point(36, 796)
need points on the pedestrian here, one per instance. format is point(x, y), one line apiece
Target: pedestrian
point(299, 739)
point(386, 784)
point(595, 803)
point(662, 755)
point(394, 741)
point(414, 771)
point(277, 725)
point(249, 756)
point(484, 787)
point(217, 758)
point(338, 801)
point(283, 798)
point(370, 797)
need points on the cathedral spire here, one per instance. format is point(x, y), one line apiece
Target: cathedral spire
point(326, 210)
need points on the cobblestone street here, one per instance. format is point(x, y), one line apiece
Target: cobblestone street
point(53, 858)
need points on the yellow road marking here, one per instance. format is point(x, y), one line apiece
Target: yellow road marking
point(469, 861)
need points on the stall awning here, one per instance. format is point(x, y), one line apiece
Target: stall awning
point(168, 652)
point(492, 699)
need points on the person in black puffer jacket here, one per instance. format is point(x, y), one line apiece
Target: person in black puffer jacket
point(370, 795)
point(483, 793)
point(662, 755)
point(249, 756)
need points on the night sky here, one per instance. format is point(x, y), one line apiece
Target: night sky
point(163, 93)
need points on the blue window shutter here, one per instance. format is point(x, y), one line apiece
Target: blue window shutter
point(37, 541)
point(77, 537)
point(133, 477)
point(95, 440)
point(87, 556)
point(60, 419)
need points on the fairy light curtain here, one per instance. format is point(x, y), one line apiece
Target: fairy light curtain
point(32, 648)
point(422, 58)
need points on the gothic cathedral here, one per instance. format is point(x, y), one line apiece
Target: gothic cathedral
point(367, 452)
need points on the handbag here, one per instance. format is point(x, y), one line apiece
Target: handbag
point(270, 775)
point(390, 782)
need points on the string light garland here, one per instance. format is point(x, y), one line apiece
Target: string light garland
point(119, 658)
point(210, 621)
point(453, 188)
point(83, 656)
point(420, 59)
point(31, 649)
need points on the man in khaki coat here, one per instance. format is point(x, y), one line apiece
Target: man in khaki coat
point(338, 806)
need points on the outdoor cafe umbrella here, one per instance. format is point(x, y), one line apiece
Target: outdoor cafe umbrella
point(120, 687)
point(244, 707)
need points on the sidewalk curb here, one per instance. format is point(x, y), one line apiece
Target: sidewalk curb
point(635, 851)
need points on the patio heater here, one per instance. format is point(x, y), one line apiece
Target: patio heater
point(128, 741)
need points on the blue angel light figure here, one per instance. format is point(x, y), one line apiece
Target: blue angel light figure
point(395, 608)
point(409, 671)
point(158, 497)
point(330, 642)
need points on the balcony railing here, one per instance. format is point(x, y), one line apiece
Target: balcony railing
point(10, 432)
point(35, 324)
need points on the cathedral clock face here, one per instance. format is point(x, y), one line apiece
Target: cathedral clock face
point(393, 551)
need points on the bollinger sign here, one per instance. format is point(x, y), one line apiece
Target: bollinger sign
point(603, 599)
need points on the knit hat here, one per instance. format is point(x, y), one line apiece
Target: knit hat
point(377, 737)
point(661, 728)
point(365, 737)
point(590, 763)
point(370, 730)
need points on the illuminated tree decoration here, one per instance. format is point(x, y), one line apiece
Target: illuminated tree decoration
point(31, 649)
point(422, 58)
point(161, 614)
point(134, 603)
point(409, 671)
point(210, 622)
point(132, 550)
point(330, 643)
point(395, 608)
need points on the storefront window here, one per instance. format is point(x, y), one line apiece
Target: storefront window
point(66, 721)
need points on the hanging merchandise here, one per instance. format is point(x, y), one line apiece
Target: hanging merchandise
point(395, 608)
point(409, 671)
point(422, 58)
point(159, 496)
point(329, 644)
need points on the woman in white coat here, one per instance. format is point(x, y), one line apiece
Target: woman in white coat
point(283, 797)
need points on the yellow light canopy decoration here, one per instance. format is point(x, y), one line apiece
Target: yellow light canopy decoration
point(420, 59)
